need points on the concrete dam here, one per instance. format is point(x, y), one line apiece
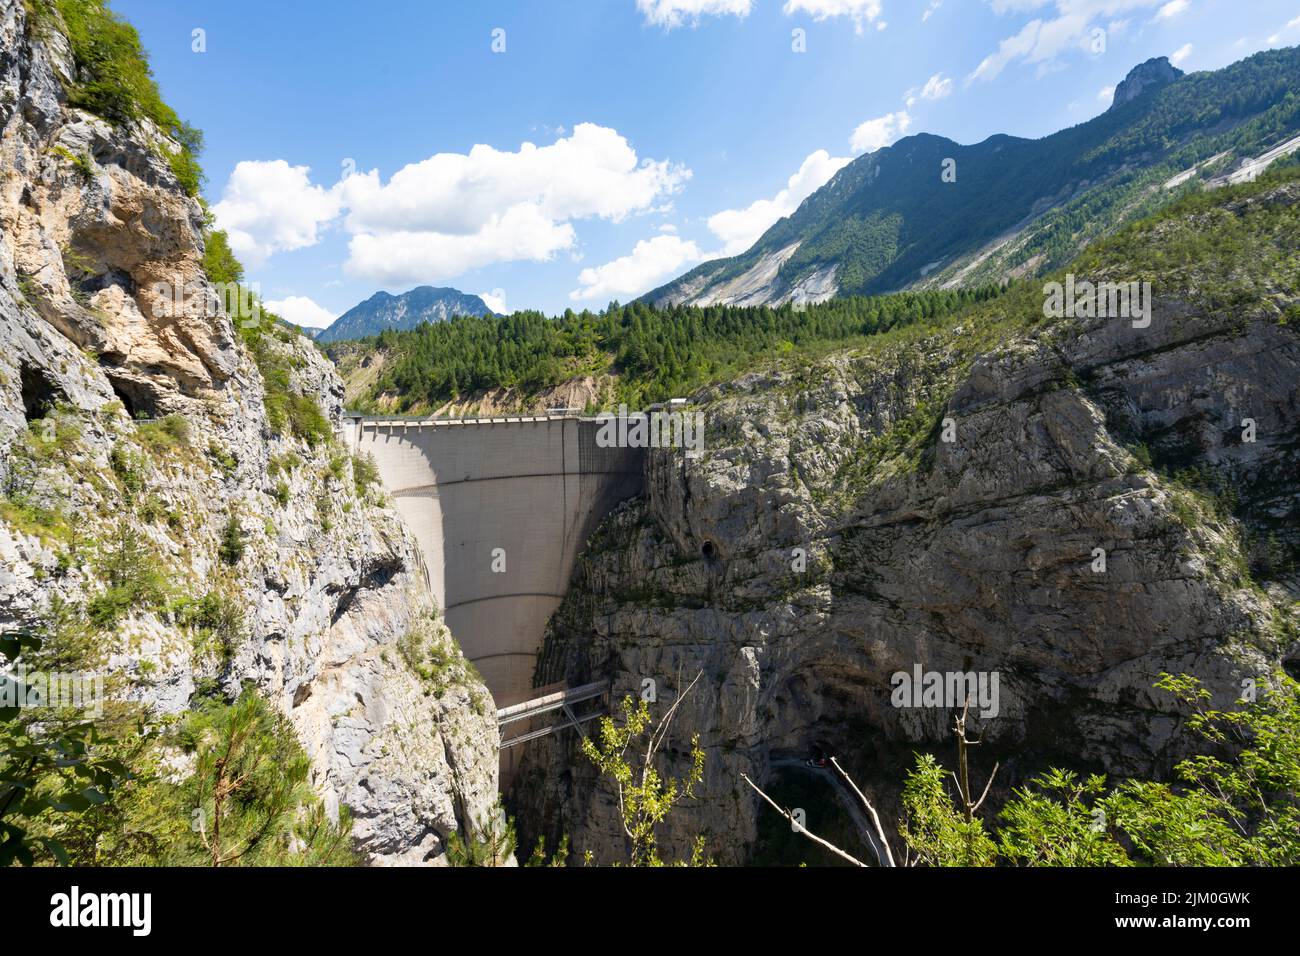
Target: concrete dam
point(501, 507)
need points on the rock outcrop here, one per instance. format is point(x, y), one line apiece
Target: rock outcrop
point(234, 504)
point(942, 499)
point(1156, 72)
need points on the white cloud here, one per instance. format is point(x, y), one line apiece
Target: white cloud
point(880, 132)
point(675, 13)
point(592, 172)
point(860, 11)
point(936, 88)
point(496, 301)
point(1042, 40)
point(1276, 38)
point(399, 257)
point(740, 228)
point(269, 207)
point(650, 263)
point(1172, 9)
point(302, 311)
point(930, 10)
point(448, 214)
point(1107, 94)
point(1181, 54)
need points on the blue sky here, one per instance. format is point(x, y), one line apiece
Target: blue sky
point(352, 147)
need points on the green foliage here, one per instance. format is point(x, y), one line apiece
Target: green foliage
point(646, 797)
point(219, 262)
point(490, 842)
point(114, 81)
point(365, 473)
point(217, 621)
point(654, 354)
point(132, 579)
point(431, 655)
point(251, 797)
point(1056, 820)
point(933, 828)
point(50, 767)
point(224, 459)
point(129, 469)
point(230, 548)
point(82, 163)
point(287, 411)
point(558, 859)
point(165, 435)
point(1237, 805)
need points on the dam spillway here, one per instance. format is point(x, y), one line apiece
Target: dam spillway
point(501, 508)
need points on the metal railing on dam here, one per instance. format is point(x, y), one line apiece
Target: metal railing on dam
point(501, 508)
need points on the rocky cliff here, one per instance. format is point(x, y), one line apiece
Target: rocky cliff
point(131, 417)
point(942, 499)
point(1154, 73)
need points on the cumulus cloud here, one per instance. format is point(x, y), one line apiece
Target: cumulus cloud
point(879, 132)
point(860, 11)
point(649, 264)
point(1042, 40)
point(496, 301)
point(303, 312)
point(670, 14)
point(1181, 54)
point(1172, 9)
point(740, 228)
point(935, 88)
point(453, 212)
point(1107, 94)
point(269, 207)
point(399, 257)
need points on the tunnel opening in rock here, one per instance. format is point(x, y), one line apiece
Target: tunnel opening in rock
point(40, 392)
point(710, 551)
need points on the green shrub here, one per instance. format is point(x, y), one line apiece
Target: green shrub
point(217, 620)
point(225, 460)
point(129, 568)
point(129, 469)
point(231, 547)
point(365, 473)
point(113, 80)
point(167, 434)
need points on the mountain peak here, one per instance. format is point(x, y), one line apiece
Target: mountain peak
point(400, 312)
point(1157, 71)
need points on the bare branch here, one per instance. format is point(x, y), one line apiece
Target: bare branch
point(875, 817)
point(799, 827)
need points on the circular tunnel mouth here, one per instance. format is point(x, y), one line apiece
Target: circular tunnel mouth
point(709, 550)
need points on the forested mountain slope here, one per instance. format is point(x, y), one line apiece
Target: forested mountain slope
point(1010, 207)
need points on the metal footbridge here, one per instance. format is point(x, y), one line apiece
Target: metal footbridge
point(552, 699)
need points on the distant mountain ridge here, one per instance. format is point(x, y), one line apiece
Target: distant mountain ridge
point(383, 311)
point(889, 220)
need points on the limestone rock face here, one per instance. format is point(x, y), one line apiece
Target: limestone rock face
point(329, 588)
point(1157, 71)
point(975, 554)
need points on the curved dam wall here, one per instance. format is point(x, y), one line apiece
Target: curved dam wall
point(501, 508)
